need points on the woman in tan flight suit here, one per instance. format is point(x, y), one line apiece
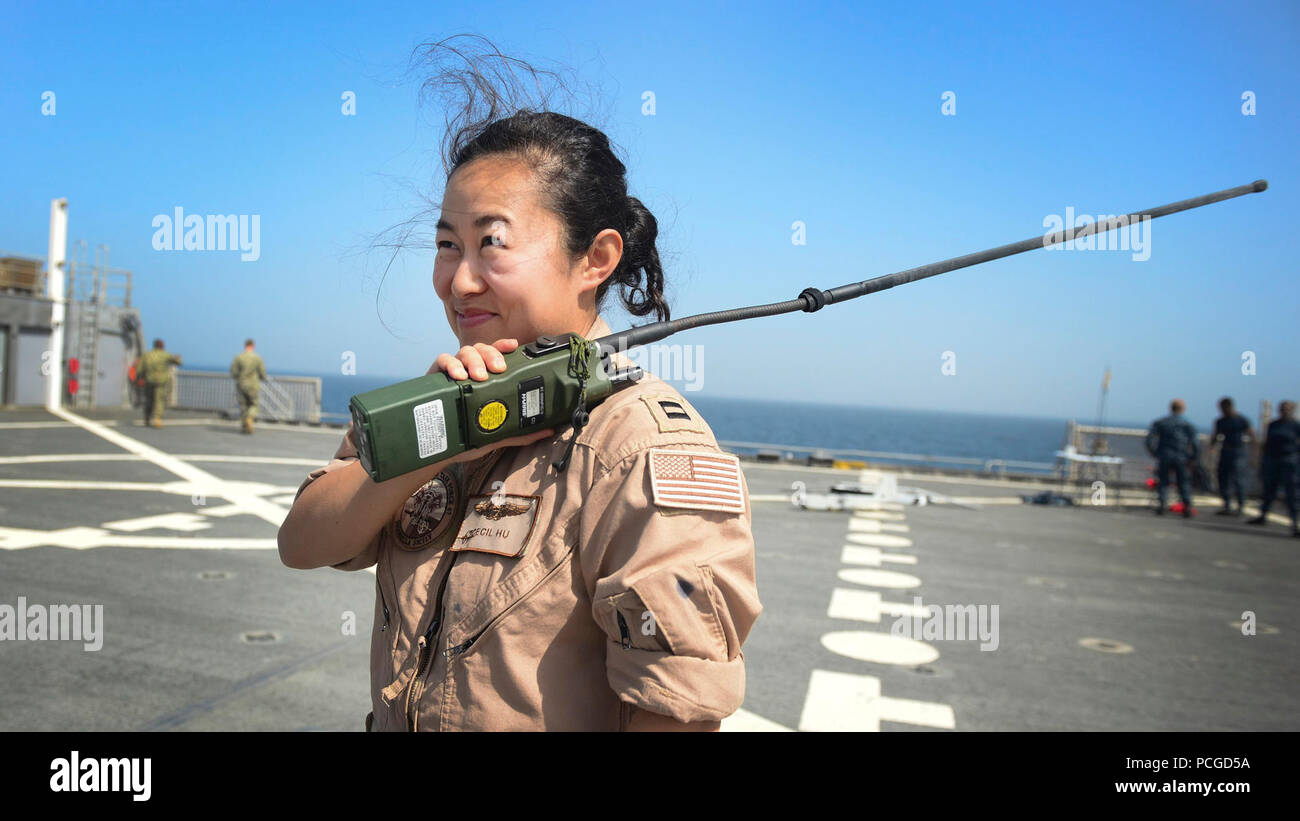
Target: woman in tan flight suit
point(613, 595)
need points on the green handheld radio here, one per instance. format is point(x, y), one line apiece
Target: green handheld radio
point(547, 383)
point(552, 382)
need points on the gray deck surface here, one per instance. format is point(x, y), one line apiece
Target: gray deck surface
point(174, 655)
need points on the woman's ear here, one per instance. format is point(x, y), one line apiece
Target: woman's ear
point(601, 259)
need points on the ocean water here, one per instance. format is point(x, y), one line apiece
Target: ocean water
point(832, 427)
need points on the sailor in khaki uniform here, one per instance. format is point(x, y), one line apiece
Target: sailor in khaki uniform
point(569, 601)
point(615, 594)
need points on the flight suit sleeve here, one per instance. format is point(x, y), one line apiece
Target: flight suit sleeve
point(234, 368)
point(345, 455)
point(673, 590)
point(1153, 439)
point(261, 370)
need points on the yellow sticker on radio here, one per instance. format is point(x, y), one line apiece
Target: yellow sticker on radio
point(492, 416)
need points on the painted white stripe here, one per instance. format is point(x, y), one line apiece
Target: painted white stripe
point(879, 578)
point(176, 488)
point(209, 485)
point(68, 484)
point(42, 458)
point(86, 538)
point(186, 522)
point(879, 540)
point(852, 554)
point(841, 702)
point(743, 721)
point(33, 425)
point(880, 648)
point(55, 458)
point(875, 526)
point(879, 514)
point(867, 605)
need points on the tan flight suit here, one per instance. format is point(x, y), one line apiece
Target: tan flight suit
point(575, 599)
point(156, 364)
point(249, 372)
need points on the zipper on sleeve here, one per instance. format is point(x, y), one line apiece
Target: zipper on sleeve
point(625, 638)
point(383, 603)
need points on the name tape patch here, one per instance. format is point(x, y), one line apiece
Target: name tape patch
point(500, 524)
point(700, 481)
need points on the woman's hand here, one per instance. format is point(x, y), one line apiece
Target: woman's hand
point(475, 362)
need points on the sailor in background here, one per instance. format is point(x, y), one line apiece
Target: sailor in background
point(1279, 465)
point(1172, 440)
point(1231, 430)
point(157, 368)
point(249, 372)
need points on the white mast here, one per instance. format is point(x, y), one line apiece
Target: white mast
point(55, 275)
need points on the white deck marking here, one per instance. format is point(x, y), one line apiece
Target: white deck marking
point(85, 538)
point(175, 488)
point(40, 458)
point(879, 539)
point(186, 522)
point(876, 526)
point(743, 721)
point(841, 702)
point(872, 556)
point(879, 514)
point(205, 482)
point(881, 648)
point(867, 605)
point(32, 425)
point(69, 457)
point(891, 579)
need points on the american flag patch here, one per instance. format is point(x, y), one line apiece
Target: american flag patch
point(702, 481)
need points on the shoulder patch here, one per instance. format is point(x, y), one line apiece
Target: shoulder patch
point(697, 480)
point(673, 414)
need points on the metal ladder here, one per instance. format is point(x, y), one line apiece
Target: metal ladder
point(87, 289)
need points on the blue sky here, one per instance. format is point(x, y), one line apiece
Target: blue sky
point(829, 114)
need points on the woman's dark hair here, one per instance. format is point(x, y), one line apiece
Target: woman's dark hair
point(577, 173)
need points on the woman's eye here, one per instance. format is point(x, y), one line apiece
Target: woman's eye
point(446, 244)
point(492, 239)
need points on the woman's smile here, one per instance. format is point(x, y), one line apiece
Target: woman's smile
point(473, 317)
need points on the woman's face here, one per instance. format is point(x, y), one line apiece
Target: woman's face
point(502, 271)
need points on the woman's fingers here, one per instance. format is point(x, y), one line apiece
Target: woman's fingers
point(475, 361)
point(472, 360)
point(450, 365)
point(492, 358)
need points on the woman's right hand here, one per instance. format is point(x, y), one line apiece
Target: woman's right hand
point(478, 362)
point(474, 361)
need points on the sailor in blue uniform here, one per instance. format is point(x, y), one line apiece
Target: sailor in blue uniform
point(1279, 465)
point(1172, 440)
point(1231, 430)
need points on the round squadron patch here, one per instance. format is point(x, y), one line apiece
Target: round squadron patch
point(427, 513)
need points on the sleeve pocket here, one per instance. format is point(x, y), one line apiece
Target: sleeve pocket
point(680, 612)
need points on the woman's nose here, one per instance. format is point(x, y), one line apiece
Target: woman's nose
point(465, 281)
